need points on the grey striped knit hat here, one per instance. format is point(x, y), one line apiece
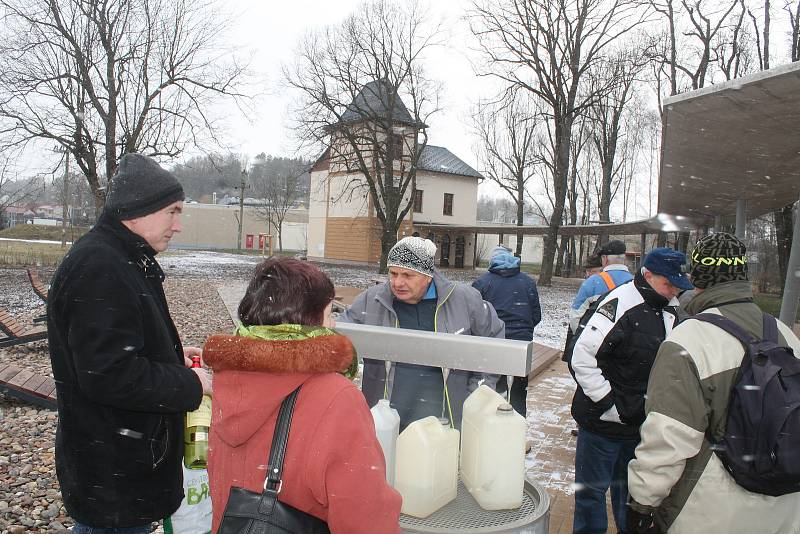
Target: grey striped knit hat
point(414, 253)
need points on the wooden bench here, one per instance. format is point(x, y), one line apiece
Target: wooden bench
point(16, 333)
point(36, 283)
point(40, 289)
point(344, 297)
point(28, 386)
point(543, 356)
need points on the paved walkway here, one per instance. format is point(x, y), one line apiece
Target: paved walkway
point(551, 461)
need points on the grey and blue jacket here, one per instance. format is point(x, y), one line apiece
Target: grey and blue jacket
point(417, 391)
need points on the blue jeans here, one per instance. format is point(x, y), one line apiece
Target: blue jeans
point(600, 463)
point(80, 528)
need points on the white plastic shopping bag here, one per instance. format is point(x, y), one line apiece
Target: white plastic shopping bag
point(194, 514)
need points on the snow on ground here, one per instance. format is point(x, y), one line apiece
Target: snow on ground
point(555, 300)
point(46, 241)
point(551, 461)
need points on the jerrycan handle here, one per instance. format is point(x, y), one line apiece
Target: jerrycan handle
point(388, 366)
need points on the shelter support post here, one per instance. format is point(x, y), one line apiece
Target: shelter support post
point(717, 223)
point(475, 252)
point(741, 217)
point(642, 247)
point(791, 288)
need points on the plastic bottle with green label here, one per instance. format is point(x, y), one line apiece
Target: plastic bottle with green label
point(195, 434)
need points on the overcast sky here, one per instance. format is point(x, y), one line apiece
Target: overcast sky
point(272, 30)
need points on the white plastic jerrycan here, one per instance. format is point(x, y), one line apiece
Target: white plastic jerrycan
point(426, 470)
point(387, 426)
point(492, 450)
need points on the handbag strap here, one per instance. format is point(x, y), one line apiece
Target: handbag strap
point(280, 438)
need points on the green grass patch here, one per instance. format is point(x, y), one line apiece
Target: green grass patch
point(530, 268)
point(14, 254)
point(772, 304)
point(36, 231)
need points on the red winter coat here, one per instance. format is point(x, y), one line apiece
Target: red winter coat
point(334, 467)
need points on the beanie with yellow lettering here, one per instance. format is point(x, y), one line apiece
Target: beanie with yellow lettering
point(718, 258)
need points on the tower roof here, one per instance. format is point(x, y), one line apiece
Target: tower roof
point(372, 102)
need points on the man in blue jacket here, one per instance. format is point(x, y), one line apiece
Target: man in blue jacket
point(516, 299)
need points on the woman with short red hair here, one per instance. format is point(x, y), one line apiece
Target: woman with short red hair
point(334, 467)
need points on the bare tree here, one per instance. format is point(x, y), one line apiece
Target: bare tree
point(792, 8)
point(281, 187)
point(782, 218)
point(105, 77)
point(354, 82)
point(547, 47)
point(700, 34)
point(14, 192)
point(507, 147)
point(704, 29)
point(734, 46)
point(621, 72)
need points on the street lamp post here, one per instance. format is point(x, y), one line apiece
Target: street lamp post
point(241, 210)
point(64, 195)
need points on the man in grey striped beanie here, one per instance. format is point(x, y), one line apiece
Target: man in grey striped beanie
point(418, 297)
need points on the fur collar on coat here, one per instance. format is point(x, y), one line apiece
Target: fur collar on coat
point(322, 354)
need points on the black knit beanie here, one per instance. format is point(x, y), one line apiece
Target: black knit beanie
point(718, 258)
point(140, 187)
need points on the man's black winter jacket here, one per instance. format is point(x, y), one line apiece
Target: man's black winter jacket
point(614, 353)
point(121, 382)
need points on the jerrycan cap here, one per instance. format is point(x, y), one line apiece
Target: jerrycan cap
point(505, 409)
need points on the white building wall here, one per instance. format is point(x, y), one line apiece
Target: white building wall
point(531, 246)
point(434, 186)
point(294, 235)
point(317, 211)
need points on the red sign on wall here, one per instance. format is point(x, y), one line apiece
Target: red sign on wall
point(261, 239)
point(248, 241)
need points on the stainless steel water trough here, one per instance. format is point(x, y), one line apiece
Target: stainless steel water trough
point(453, 351)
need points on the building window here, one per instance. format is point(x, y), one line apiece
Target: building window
point(417, 200)
point(448, 204)
point(397, 142)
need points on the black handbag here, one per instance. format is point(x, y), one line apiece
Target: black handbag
point(248, 512)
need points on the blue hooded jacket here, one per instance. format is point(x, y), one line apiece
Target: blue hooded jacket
point(513, 294)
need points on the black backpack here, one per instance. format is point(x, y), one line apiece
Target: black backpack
point(761, 446)
point(572, 337)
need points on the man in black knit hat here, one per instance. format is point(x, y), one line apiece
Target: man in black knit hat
point(677, 484)
point(121, 373)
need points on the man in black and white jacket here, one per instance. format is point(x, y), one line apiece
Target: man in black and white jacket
point(611, 361)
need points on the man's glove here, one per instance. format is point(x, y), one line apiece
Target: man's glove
point(639, 522)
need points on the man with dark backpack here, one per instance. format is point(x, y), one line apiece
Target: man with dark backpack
point(720, 449)
point(610, 359)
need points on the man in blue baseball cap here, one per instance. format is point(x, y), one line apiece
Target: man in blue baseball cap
point(611, 358)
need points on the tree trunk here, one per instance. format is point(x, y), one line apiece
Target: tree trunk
point(560, 176)
point(562, 251)
point(784, 235)
point(520, 235)
point(388, 240)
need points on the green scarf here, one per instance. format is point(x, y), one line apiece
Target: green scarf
point(293, 332)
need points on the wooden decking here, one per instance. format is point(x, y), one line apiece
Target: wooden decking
point(543, 356)
point(28, 386)
point(16, 333)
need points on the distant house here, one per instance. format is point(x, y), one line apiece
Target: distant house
point(344, 227)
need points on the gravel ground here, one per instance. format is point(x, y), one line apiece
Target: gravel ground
point(29, 495)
